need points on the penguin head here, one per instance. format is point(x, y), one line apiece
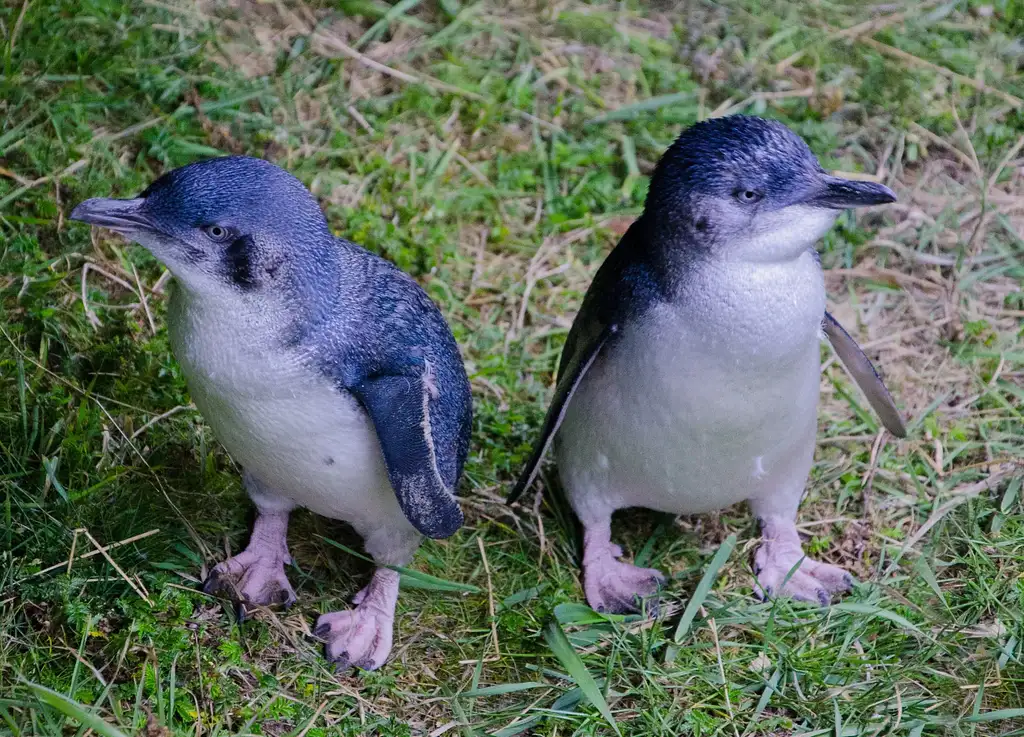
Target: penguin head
point(749, 188)
point(232, 223)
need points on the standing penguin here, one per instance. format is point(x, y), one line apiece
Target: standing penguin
point(689, 380)
point(326, 372)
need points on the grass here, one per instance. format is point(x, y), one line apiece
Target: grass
point(496, 151)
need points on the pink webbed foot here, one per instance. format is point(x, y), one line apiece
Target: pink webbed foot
point(252, 579)
point(614, 586)
point(781, 550)
point(256, 575)
point(362, 637)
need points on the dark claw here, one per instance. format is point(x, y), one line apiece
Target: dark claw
point(321, 631)
point(240, 612)
point(622, 606)
point(212, 583)
point(653, 606)
point(341, 663)
point(365, 664)
point(823, 598)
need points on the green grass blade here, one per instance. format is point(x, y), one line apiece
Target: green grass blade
point(504, 688)
point(76, 711)
point(874, 611)
point(521, 596)
point(704, 587)
point(997, 715)
point(411, 578)
point(396, 12)
point(555, 637)
point(628, 112)
point(766, 696)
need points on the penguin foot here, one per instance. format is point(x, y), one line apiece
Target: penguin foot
point(813, 581)
point(616, 587)
point(252, 577)
point(362, 637)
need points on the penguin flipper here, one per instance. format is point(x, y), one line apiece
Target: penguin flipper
point(864, 373)
point(403, 408)
point(570, 376)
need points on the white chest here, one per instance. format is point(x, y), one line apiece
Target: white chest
point(700, 403)
point(285, 424)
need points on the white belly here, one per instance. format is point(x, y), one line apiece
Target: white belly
point(304, 440)
point(704, 405)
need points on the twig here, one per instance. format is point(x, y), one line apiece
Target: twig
point(472, 169)
point(94, 320)
point(1004, 161)
point(312, 719)
point(1016, 102)
point(961, 495)
point(17, 27)
point(113, 277)
point(721, 669)
point(720, 110)
point(105, 554)
point(71, 555)
point(541, 536)
point(766, 97)
point(158, 288)
point(869, 477)
point(336, 44)
point(874, 25)
point(71, 169)
point(98, 551)
point(16, 177)
point(967, 139)
point(938, 141)
point(490, 597)
point(164, 416)
point(360, 119)
point(91, 316)
point(145, 302)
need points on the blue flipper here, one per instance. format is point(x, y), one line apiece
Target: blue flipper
point(624, 288)
point(864, 373)
point(403, 409)
point(570, 379)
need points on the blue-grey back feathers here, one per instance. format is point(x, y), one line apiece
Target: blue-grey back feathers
point(404, 366)
point(354, 317)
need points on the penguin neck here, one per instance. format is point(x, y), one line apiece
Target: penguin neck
point(670, 246)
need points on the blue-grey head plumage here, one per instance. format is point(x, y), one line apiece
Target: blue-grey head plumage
point(236, 219)
point(722, 172)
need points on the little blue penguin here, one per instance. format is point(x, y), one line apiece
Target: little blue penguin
point(326, 372)
point(690, 378)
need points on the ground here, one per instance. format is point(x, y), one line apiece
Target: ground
point(496, 151)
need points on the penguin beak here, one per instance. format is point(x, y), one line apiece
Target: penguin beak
point(836, 193)
point(121, 216)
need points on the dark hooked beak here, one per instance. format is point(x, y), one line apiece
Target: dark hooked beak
point(122, 216)
point(839, 194)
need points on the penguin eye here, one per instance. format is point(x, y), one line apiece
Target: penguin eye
point(218, 233)
point(748, 196)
